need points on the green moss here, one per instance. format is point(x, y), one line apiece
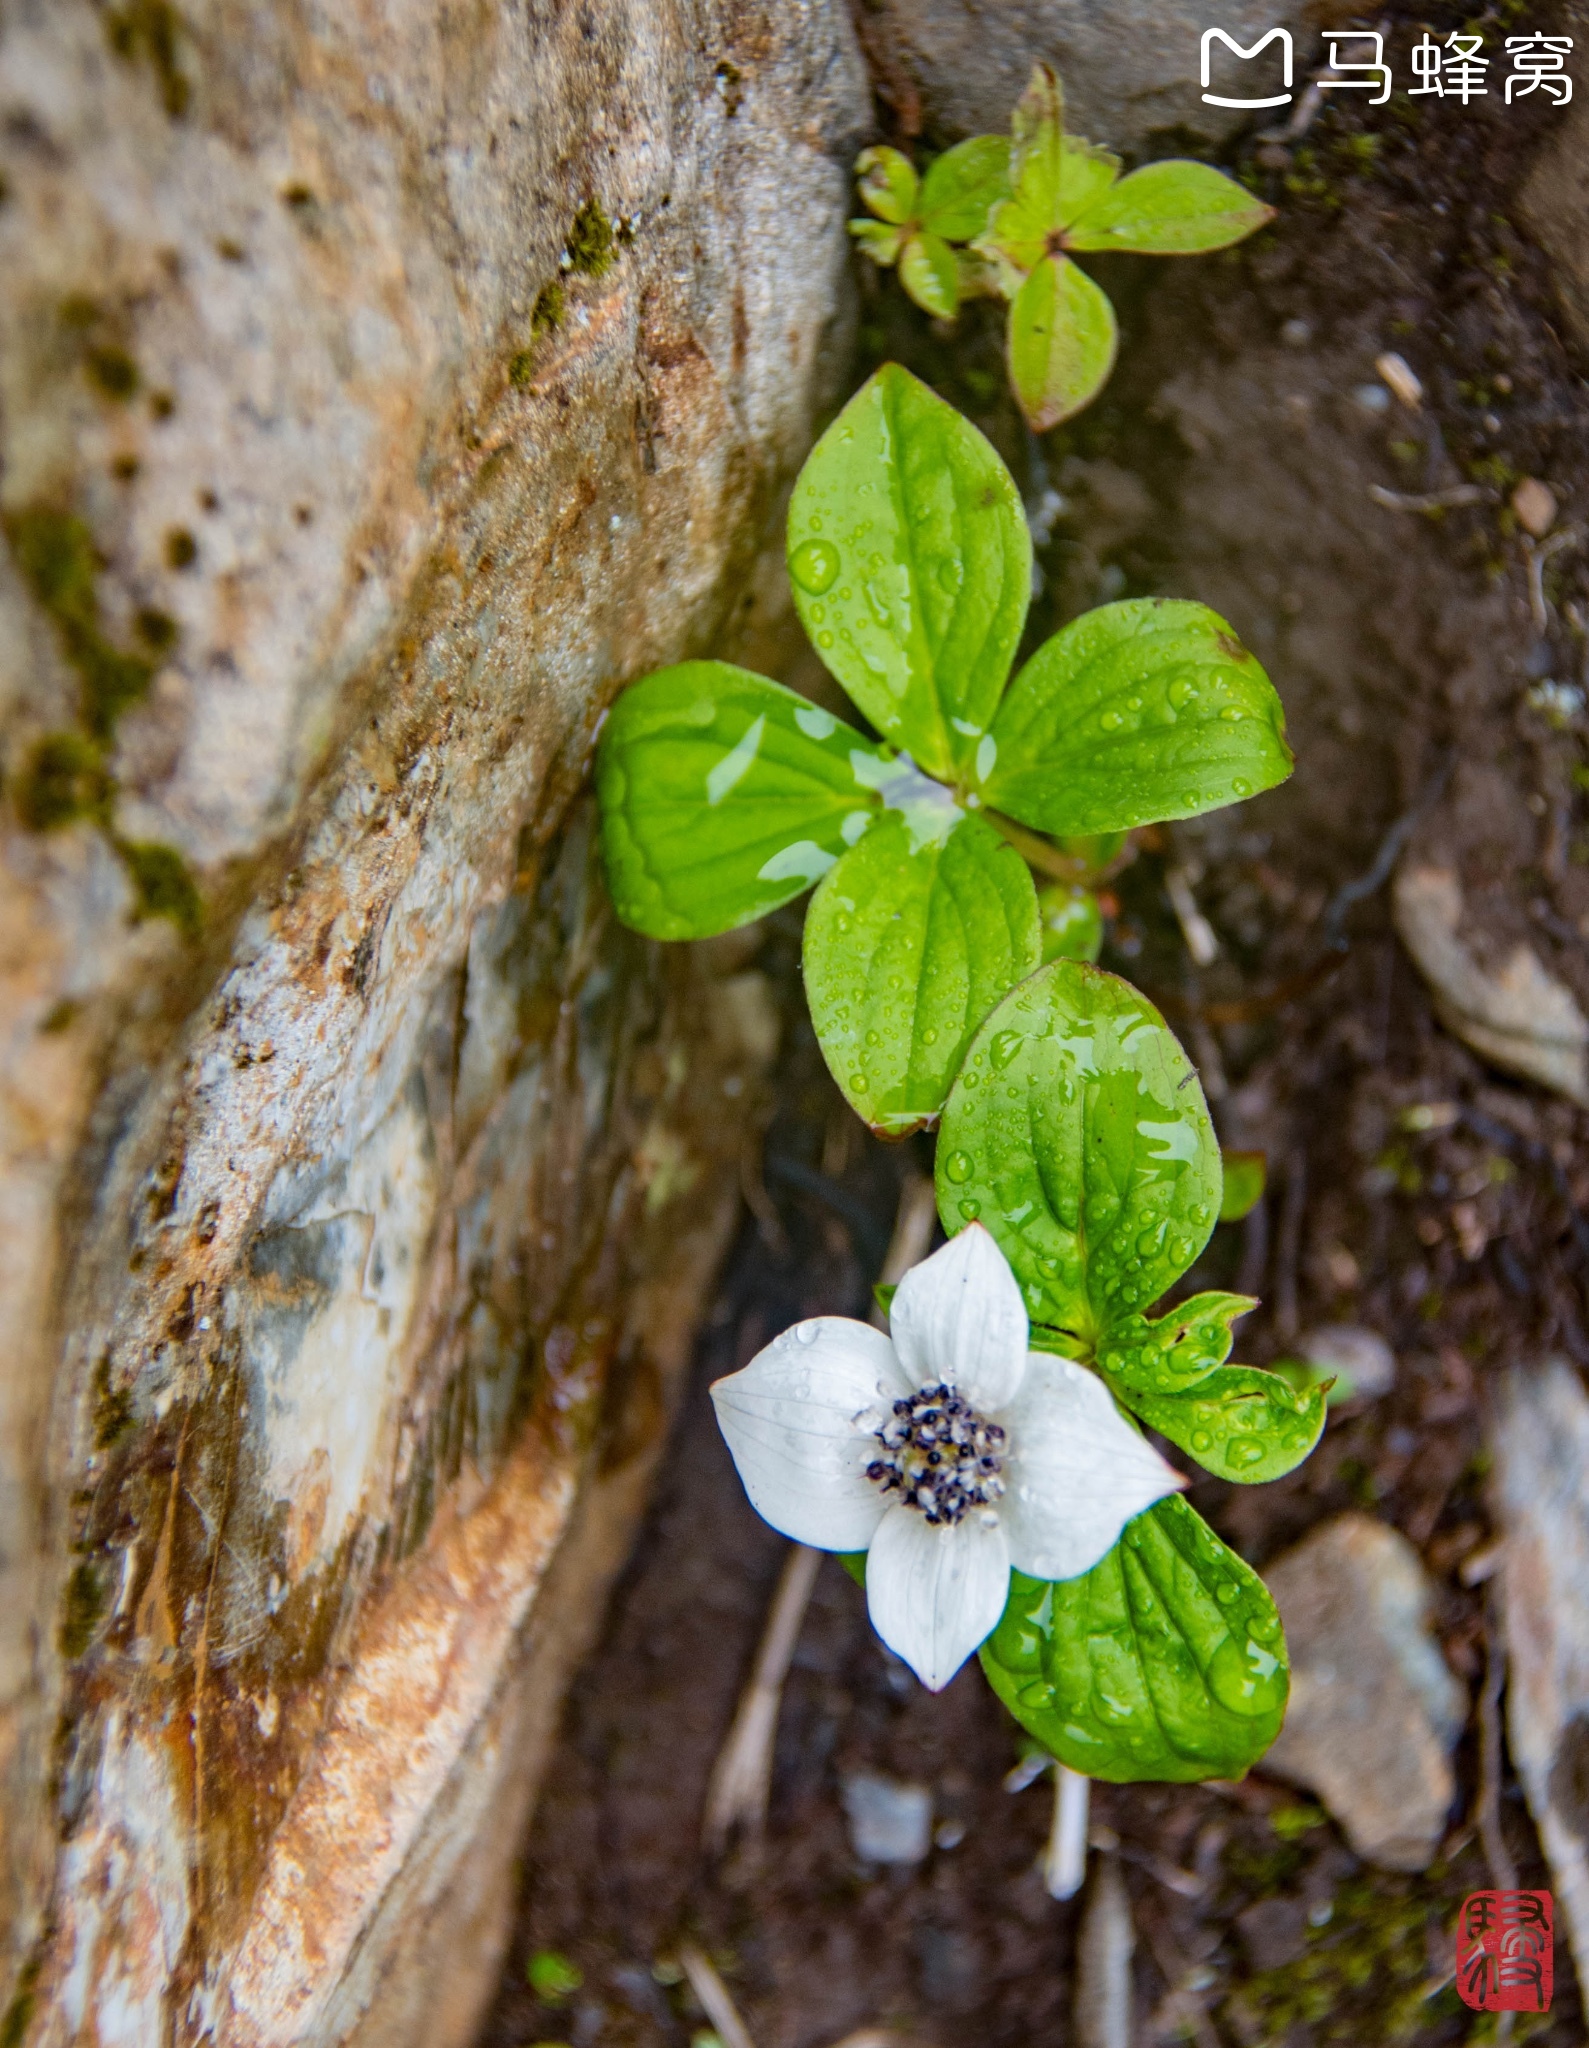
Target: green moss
point(63, 779)
point(148, 31)
point(18, 2014)
point(114, 371)
point(591, 242)
point(54, 551)
point(550, 304)
point(521, 369)
point(1364, 1975)
point(182, 550)
point(113, 1418)
point(164, 885)
point(82, 1609)
point(157, 630)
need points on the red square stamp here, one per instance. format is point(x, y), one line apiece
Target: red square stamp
point(1506, 1951)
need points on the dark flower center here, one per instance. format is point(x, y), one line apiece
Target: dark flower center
point(940, 1455)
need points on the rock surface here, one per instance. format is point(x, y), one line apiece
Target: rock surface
point(1514, 1012)
point(1363, 1363)
point(1374, 1711)
point(958, 66)
point(378, 391)
point(1542, 1489)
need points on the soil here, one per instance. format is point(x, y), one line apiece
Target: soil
point(1412, 1188)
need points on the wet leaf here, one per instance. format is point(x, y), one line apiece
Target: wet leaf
point(1168, 209)
point(1237, 1422)
point(1167, 1660)
point(888, 184)
point(911, 567)
point(1139, 711)
point(1072, 922)
point(723, 795)
point(963, 186)
point(1167, 1354)
point(1077, 1133)
point(930, 272)
point(1062, 343)
point(1245, 1176)
point(909, 943)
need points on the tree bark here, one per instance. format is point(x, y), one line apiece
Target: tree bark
point(379, 390)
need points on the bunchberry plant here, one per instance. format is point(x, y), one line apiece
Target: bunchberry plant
point(1002, 1502)
point(1008, 219)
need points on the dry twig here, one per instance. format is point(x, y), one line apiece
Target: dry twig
point(1503, 1871)
point(1428, 501)
point(736, 1797)
point(1537, 555)
point(713, 1993)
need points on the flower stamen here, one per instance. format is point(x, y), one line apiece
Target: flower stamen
point(939, 1455)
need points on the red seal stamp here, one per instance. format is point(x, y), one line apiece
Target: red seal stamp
point(1505, 1951)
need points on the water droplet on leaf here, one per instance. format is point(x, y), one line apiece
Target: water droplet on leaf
point(814, 565)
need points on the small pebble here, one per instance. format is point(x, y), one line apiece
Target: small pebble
point(890, 1821)
point(1296, 333)
point(1372, 397)
point(1534, 504)
point(1364, 1364)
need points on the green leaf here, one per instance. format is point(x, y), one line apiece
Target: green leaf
point(912, 567)
point(723, 795)
point(930, 272)
point(1037, 139)
point(1054, 177)
point(1072, 922)
point(909, 943)
point(1237, 1422)
point(1167, 1660)
point(1062, 343)
point(1245, 1176)
point(1142, 710)
point(1168, 209)
point(888, 184)
point(874, 238)
point(963, 186)
point(1169, 1353)
point(1086, 174)
point(1078, 1134)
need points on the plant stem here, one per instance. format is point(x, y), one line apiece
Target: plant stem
point(1065, 1860)
point(1037, 852)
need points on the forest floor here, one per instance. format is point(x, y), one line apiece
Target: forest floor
point(1412, 1189)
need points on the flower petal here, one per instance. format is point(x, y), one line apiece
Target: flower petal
point(959, 1317)
point(1076, 1471)
point(799, 1421)
point(934, 1594)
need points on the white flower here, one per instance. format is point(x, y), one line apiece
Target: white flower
point(947, 1453)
